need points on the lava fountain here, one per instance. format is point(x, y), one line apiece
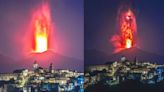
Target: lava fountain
point(127, 30)
point(41, 29)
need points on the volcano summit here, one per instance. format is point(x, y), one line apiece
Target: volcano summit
point(94, 57)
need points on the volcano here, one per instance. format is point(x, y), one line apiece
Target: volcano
point(7, 64)
point(139, 54)
point(46, 58)
point(95, 57)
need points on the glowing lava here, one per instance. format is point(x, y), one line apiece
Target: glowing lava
point(128, 43)
point(127, 30)
point(41, 29)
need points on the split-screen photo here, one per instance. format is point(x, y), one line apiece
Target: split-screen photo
point(81, 46)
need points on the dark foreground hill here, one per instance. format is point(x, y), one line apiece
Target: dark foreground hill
point(128, 86)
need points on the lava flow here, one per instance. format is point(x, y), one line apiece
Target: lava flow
point(41, 29)
point(127, 30)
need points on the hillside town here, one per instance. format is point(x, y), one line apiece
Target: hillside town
point(114, 73)
point(42, 80)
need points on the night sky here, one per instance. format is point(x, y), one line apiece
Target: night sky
point(67, 18)
point(100, 24)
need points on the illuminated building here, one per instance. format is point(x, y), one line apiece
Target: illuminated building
point(41, 79)
point(116, 72)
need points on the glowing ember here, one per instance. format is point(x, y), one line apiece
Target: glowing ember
point(41, 28)
point(127, 29)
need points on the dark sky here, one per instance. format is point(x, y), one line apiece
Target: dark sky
point(100, 24)
point(67, 17)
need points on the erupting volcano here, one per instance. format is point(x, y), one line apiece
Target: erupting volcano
point(127, 30)
point(41, 29)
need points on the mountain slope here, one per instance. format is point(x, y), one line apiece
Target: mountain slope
point(141, 55)
point(94, 57)
point(7, 64)
point(59, 61)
